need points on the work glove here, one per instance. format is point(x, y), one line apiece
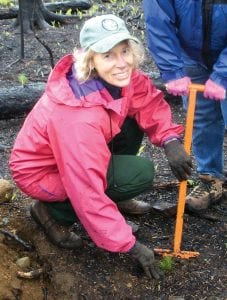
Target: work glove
point(145, 257)
point(178, 87)
point(179, 161)
point(214, 91)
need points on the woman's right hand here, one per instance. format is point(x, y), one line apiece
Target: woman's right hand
point(145, 257)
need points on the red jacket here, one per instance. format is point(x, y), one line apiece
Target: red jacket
point(68, 133)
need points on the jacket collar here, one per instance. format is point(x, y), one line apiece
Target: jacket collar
point(87, 94)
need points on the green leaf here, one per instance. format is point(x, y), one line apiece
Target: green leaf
point(22, 78)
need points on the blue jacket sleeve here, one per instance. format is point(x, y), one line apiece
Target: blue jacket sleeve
point(160, 19)
point(219, 74)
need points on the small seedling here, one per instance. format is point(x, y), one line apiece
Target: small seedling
point(6, 33)
point(23, 79)
point(93, 10)
point(141, 150)
point(167, 263)
point(55, 23)
point(191, 183)
point(69, 12)
point(79, 14)
point(59, 12)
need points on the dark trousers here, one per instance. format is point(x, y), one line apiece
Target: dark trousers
point(128, 175)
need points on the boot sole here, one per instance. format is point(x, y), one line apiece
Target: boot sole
point(135, 213)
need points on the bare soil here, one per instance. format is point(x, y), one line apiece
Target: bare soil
point(91, 273)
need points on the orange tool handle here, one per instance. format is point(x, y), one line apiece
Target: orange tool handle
point(193, 89)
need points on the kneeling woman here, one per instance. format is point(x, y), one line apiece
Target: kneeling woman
point(76, 152)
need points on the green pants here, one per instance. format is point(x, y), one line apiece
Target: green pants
point(128, 175)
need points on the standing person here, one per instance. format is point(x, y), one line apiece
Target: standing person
point(76, 152)
point(188, 41)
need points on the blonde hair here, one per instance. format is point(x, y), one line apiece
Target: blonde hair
point(83, 60)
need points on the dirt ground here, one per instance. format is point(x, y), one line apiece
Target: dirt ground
point(91, 273)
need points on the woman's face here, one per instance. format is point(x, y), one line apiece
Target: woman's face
point(116, 65)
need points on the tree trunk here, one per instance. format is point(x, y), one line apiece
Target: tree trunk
point(35, 14)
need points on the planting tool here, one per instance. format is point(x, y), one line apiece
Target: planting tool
point(193, 89)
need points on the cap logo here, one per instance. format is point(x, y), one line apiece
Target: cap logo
point(109, 24)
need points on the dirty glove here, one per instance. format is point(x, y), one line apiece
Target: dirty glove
point(214, 91)
point(179, 161)
point(178, 87)
point(145, 257)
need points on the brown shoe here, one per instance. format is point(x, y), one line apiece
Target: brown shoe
point(134, 207)
point(205, 194)
point(59, 235)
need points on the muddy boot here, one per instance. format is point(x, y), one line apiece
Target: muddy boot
point(59, 235)
point(134, 207)
point(205, 194)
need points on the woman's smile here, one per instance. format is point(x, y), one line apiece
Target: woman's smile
point(116, 65)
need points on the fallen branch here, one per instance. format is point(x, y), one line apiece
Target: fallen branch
point(17, 100)
point(30, 275)
point(26, 245)
point(53, 7)
point(166, 185)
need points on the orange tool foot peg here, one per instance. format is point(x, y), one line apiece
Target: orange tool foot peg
point(179, 254)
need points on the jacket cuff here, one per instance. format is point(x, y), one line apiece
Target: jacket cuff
point(222, 81)
point(132, 248)
point(172, 75)
point(170, 139)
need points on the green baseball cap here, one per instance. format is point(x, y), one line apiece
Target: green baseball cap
point(103, 32)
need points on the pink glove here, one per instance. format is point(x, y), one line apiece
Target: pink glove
point(214, 91)
point(179, 87)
